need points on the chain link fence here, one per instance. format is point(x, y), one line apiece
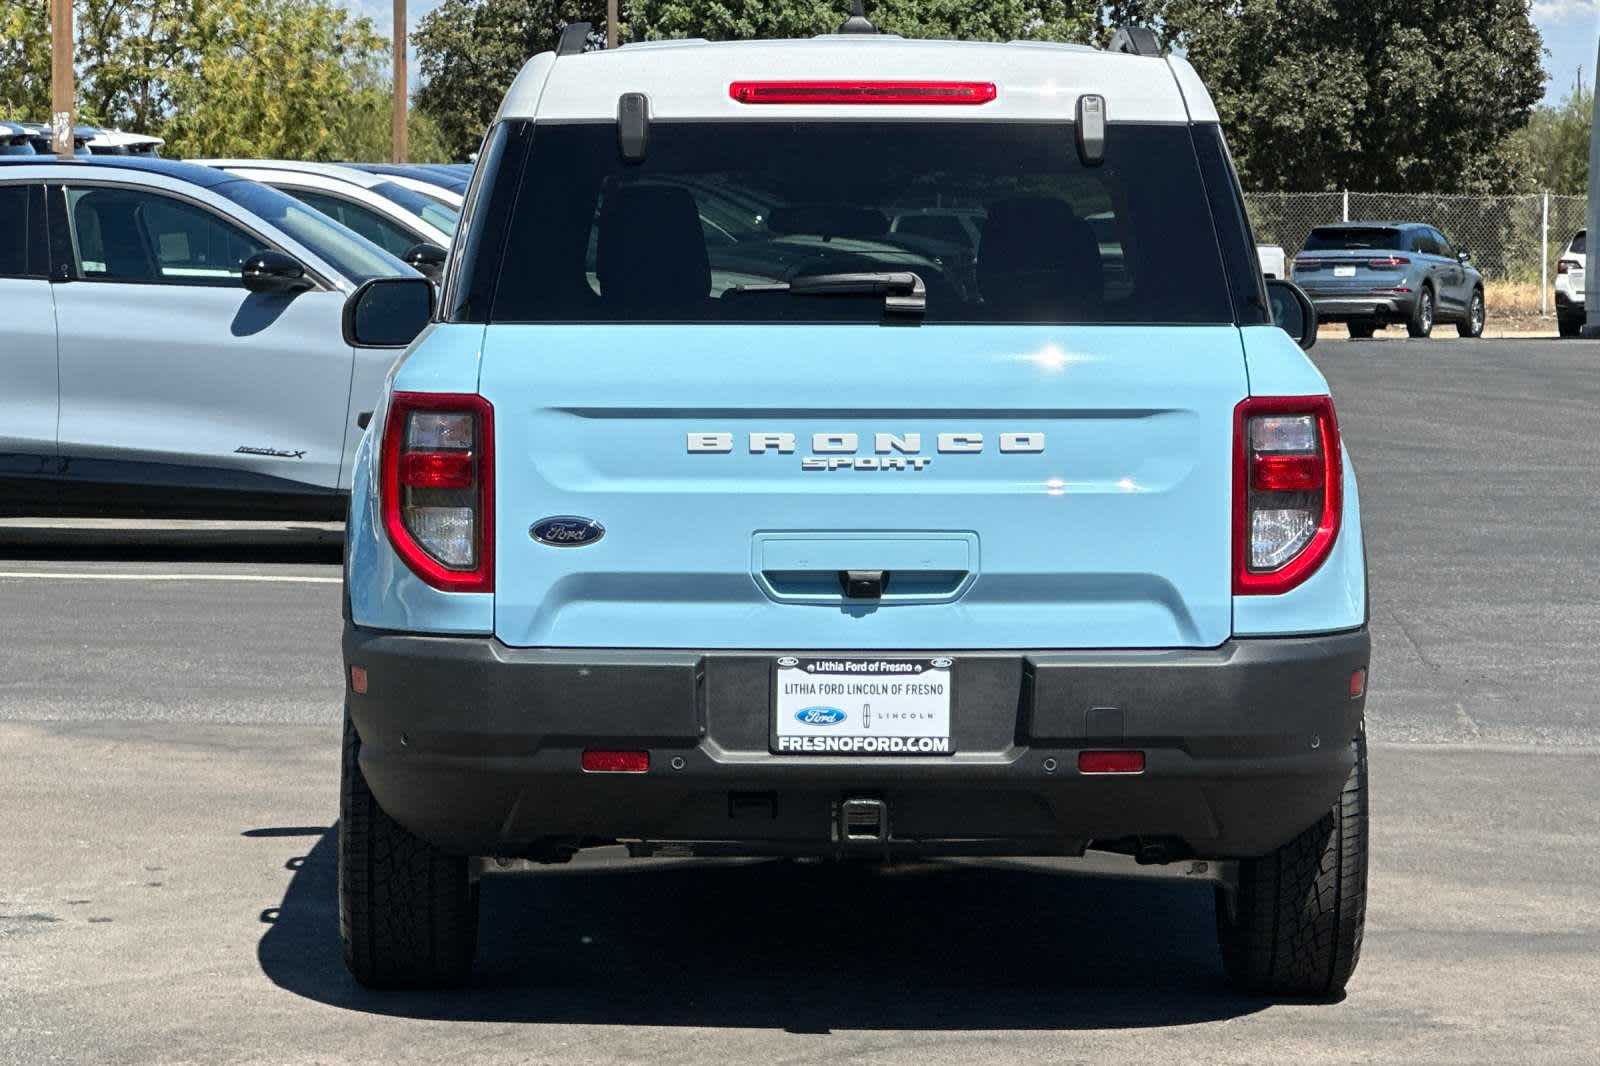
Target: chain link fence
point(1511, 238)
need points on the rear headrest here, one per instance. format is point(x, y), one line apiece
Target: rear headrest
point(1036, 254)
point(828, 220)
point(652, 252)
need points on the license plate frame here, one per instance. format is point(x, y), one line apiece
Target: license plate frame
point(914, 714)
point(1344, 271)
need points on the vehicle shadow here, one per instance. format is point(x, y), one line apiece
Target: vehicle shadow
point(804, 948)
point(295, 546)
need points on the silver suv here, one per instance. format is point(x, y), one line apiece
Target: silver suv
point(1376, 274)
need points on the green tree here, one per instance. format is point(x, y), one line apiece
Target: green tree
point(1419, 95)
point(468, 51)
point(25, 59)
point(1555, 144)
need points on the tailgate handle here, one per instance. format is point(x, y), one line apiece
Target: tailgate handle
point(863, 584)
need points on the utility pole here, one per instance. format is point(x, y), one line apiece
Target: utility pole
point(399, 137)
point(611, 23)
point(62, 89)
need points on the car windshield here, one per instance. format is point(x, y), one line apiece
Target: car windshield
point(357, 258)
point(1352, 238)
point(432, 211)
point(1000, 220)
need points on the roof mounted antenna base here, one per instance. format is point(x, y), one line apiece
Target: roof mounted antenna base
point(857, 22)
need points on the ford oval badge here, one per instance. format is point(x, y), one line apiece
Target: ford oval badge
point(566, 531)
point(820, 716)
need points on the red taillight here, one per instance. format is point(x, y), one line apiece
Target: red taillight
point(1111, 762)
point(1287, 486)
point(1388, 262)
point(438, 487)
point(436, 470)
point(616, 762)
point(1566, 266)
point(862, 92)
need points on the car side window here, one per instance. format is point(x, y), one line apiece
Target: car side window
point(22, 231)
point(1442, 246)
point(136, 235)
point(374, 226)
point(1422, 241)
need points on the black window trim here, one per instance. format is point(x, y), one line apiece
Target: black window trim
point(64, 257)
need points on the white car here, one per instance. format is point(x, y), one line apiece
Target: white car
point(1272, 260)
point(1570, 302)
point(402, 221)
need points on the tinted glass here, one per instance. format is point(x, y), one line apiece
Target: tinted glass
point(15, 204)
point(135, 235)
point(1441, 245)
point(357, 258)
point(717, 210)
point(1579, 241)
point(379, 229)
point(431, 210)
point(1353, 238)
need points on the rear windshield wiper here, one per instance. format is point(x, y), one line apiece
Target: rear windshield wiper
point(903, 291)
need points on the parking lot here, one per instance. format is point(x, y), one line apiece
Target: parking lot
point(169, 724)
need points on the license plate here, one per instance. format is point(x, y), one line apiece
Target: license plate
point(827, 706)
point(1344, 272)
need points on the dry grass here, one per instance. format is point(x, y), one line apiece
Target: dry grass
point(1513, 299)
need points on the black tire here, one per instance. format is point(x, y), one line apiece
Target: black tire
point(1569, 325)
point(1472, 325)
point(408, 913)
point(1361, 331)
point(1293, 925)
point(1420, 324)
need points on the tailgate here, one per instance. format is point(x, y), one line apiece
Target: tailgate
point(1037, 486)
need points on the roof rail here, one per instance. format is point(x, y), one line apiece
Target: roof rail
point(1135, 41)
point(574, 38)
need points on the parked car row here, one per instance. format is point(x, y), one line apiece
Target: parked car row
point(34, 138)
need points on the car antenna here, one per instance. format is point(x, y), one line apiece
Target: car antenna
point(858, 21)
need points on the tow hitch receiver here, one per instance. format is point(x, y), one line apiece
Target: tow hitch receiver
point(862, 821)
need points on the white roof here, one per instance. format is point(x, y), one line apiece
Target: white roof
point(690, 79)
point(361, 178)
point(118, 139)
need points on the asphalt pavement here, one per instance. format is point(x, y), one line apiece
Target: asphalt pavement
point(169, 716)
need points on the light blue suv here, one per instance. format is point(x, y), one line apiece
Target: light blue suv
point(173, 343)
point(712, 514)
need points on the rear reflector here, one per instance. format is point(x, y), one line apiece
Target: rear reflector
point(1111, 762)
point(616, 762)
point(862, 92)
point(1358, 684)
point(1286, 473)
point(358, 680)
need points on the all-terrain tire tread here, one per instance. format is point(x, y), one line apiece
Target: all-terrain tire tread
point(408, 913)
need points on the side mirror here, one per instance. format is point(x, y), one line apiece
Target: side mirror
point(388, 312)
point(274, 272)
point(427, 259)
point(1292, 311)
point(1463, 255)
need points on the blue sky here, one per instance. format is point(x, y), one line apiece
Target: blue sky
point(1571, 31)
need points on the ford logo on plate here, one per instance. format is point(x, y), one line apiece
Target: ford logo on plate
point(820, 716)
point(566, 531)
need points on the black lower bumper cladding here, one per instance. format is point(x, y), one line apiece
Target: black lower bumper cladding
point(478, 747)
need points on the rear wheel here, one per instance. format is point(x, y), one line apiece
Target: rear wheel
point(1362, 331)
point(1421, 322)
point(1293, 925)
point(1472, 325)
point(1569, 325)
point(408, 913)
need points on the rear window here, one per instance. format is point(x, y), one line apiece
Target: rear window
point(1578, 242)
point(1353, 238)
point(1002, 222)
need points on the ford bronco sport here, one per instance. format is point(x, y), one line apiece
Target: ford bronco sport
point(713, 514)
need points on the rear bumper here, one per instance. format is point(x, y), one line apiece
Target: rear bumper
point(1568, 301)
point(476, 747)
point(1346, 308)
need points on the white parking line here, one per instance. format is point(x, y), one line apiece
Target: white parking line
point(51, 575)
